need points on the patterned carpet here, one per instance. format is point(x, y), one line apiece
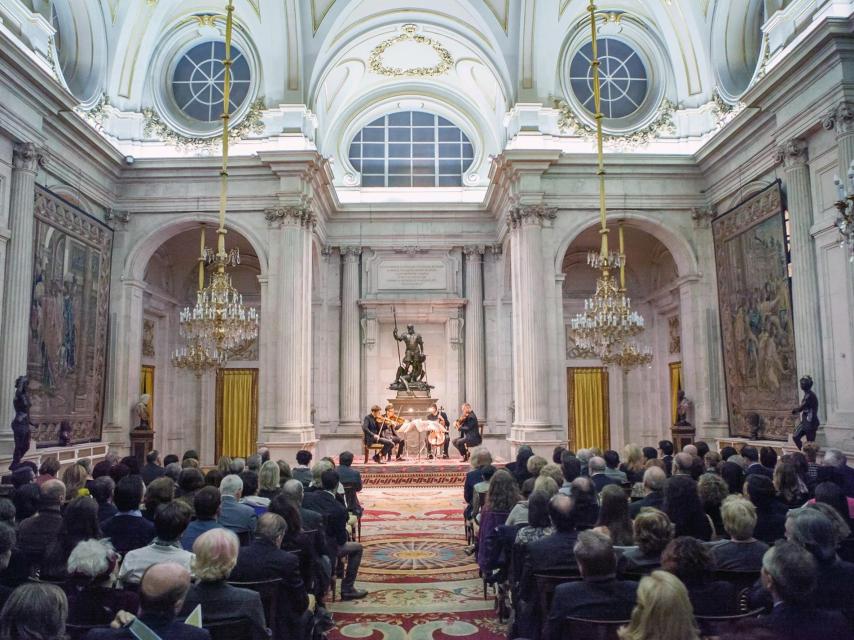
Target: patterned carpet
point(422, 585)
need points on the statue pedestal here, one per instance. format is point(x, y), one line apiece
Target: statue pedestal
point(141, 444)
point(682, 435)
point(410, 405)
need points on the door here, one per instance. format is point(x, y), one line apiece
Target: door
point(236, 412)
point(589, 420)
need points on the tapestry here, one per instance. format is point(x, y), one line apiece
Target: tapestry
point(757, 327)
point(66, 355)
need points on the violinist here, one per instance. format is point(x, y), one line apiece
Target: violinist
point(435, 415)
point(392, 422)
point(373, 435)
point(469, 431)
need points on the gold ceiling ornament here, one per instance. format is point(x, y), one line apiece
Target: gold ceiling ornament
point(605, 328)
point(219, 325)
point(410, 34)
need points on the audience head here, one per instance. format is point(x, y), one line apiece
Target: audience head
point(682, 502)
point(152, 457)
point(281, 505)
point(545, 483)
point(119, 471)
point(303, 457)
point(26, 500)
point(811, 450)
point(74, 478)
point(812, 530)
point(687, 558)
point(583, 490)
point(50, 467)
point(834, 458)
point(768, 457)
point(7, 512)
point(760, 490)
point(666, 447)
point(750, 453)
point(691, 450)
point(596, 465)
point(34, 611)
point(190, 480)
point(551, 470)
point(160, 491)
point(52, 493)
point(712, 460)
point(131, 463)
point(831, 493)
point(503, 492)
point(80, 520)
point(733, 475)
point(264, 452)
point(786, 481)
point(271, 528)
point(561, 512)
point(683, 463)
point(213, 478)
point(293, 491)
point(250, 483)
point(284, 472)
point(654, 479)
point(102, 489)
point(93, 561)
point(253, 463)
point(663, 611)
point(224, 465)
point(237, 466)
point(171, 520)
point(650, 453)
point(170, 459)
point(190, 463)
point(584, 456)
point(190, 454)
point(739, 517)
point(163, 588)
point(231, 485)
point(21, 476)
point(345, 458)
point(487, 472)
point(702, 448)
point(317, 470)
point(329, 480)
point(727, 452)
point(216, 554)
point(206, 503)
point(172, 471)
point(653, 531)
point(712, 489)
point(268, 478)
point(557, 454)
point(570, 466)
point(8, 537)
point(633, 457)
point(841, 530)
point(538, 509)
point(789, 572)
point(612, 459)
point(528, 487)
point(523, 453)
point(594, 554)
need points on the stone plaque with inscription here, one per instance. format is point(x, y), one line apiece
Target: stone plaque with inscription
point(402, 275)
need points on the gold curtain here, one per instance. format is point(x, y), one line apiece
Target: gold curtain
point(146, 385)
point(236, 412)
point(589, 423)
point(675, 387)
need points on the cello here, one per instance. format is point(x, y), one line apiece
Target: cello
point(436, 437)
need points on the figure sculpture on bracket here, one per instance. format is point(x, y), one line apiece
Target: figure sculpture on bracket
point(21, 426)
point(809, 423)
point(683, 406)
point(142, 412)
point(411, 372)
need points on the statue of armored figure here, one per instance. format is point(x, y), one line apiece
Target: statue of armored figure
point(411, 374)
point(21, 426)
point(683, 406)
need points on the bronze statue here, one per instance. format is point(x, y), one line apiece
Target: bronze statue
point(808, 426)
point(21, 424)
point(411, 374)
point(683, 405)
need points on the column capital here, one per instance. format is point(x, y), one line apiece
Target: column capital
point(840, 118)
point(350, 253)
point(702, 216)
point(290, 216)
point(792, 152)
point(474, 252)
point(27, 156)
point(530, 214)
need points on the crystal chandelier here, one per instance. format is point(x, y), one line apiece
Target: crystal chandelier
point(608, 322)
point(219, 325)
point(845, 218)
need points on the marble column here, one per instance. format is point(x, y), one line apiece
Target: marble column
point(841, 121)
point(474, 331)
point(351, 358)
point(529, 322)
point(17, 291)
point(805, 301)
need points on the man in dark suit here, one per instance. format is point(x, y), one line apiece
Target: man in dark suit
point(653, 487)
point(336, 516)
point(836, 463)
point(350, 477)
point(240, 518)
point(754, 466)
point(371, 432)
point(469, 432)
point(128, 529)
point(302, 471)
point(599, 596)
point(790, 574)
point(666, 449)
point(161, 595)
point(38, 531)
point(600, 479)
point(264, 560)
point(152, 469)
point(102, 490)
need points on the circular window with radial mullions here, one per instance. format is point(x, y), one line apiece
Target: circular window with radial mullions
point(199, 78)
point(622, 77)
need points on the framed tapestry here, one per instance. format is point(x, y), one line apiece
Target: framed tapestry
point(69, 315)
point(755, 304)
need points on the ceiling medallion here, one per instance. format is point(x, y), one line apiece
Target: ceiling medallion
point(410, 34)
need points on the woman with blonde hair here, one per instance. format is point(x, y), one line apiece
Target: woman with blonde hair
point(74, 478)
point(224, 465)
point(634, 465)
point(662, 611)
point(269, 480)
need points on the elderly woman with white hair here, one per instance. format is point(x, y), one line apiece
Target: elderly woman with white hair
point(215, 556)
point(92, 568)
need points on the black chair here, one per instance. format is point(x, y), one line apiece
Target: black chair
point(78, 631)
point(580, 629)
point(743, 581)
point(269, 592)
point(352, 499)
point(237, 629)
point(717, 625)
point(547, 583)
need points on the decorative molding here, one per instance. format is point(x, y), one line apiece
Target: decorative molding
point(675, 332)
point(474, 251)
point(301, 216)
point(792, 153)
point(350, 253)
point(410, 250)
point(251, 123)
point(114, 214)
point(724, 111)
point(208, 20)
point(702, 216)
point(568, 122)
point(148, 338)
point(26, 156)
point(840, 119)
point(530, 214)
point(410, 33)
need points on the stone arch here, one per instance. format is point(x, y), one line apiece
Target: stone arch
point(747, 191)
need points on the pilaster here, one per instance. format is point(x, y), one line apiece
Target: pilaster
point(475, 357)
point(351, 359)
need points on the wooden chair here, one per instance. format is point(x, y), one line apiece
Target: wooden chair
point(743, 581)
point(717, 625)
point(269, 591)
point(351, 498)
point(237, 629)
point(375, 447)
point(581, 629)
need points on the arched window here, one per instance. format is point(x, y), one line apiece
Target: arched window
point(622, 76)
point(199, 76)
point(411, 149)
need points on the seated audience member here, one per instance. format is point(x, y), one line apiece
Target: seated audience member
point(224, 465)
point(171, 458)
point(768, 458)
point(302, 471)
point(519, 467)
point(653, 531)
point(161, 596)
point(152, 469)
point(102, 490)
point(535, 465)
point(480, 489)
point(48, 470)
point(831, 493)
point(35, 611)
point(633, 466)
point(132, 465)
point(37, 532)
point(682, 505)
point(26, 500)
point(727, 451)
point(311, 520)
point(159, 492)
point(663, 611)
point(314, 563)
point(733, 475)
point(173, 472)
point(264, 560)
point(519, 513)
point(254, 462)
point(233, 515)
point(791, 491)
point(128, 530)
point(119, 471)
point(190, 454)
point(713, 461)
point(597, 468)
point(653, 486)
point(7, 545)
point(79, 522)
point(237, 466)
point(742, 552)
point(190, 481)
point(74, 478)
point(691, 450)
point(754, 466)
point(688, 559)
point(552, 471)
point(538, 522)
point(712, 490)
point(702, 449)
point(841, 530)
point(215, 556)
point(649, 453)
point(250, 493)
point(335, 514)
point(614, 518)
point(554, 551)
point(7, 512)
point(206, 504)
point(92, 596)
point(169, 524)
point(612, 466)
point(213, 478)
point(790, 575)
point(285, 472)
point(570, 466)
point(586, 505)
point(480, 458)
point(268, 481)
point(666, 449)
point(351, 477)
point(545, 483)
point(501, 496)
point(557, 454)
point(584, 456)
point(683, 464)
point(599, 595)
point(810, 451)
point(770, 512)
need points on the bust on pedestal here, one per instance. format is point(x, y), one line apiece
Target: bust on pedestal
point(142, 436)
point(683, 431)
